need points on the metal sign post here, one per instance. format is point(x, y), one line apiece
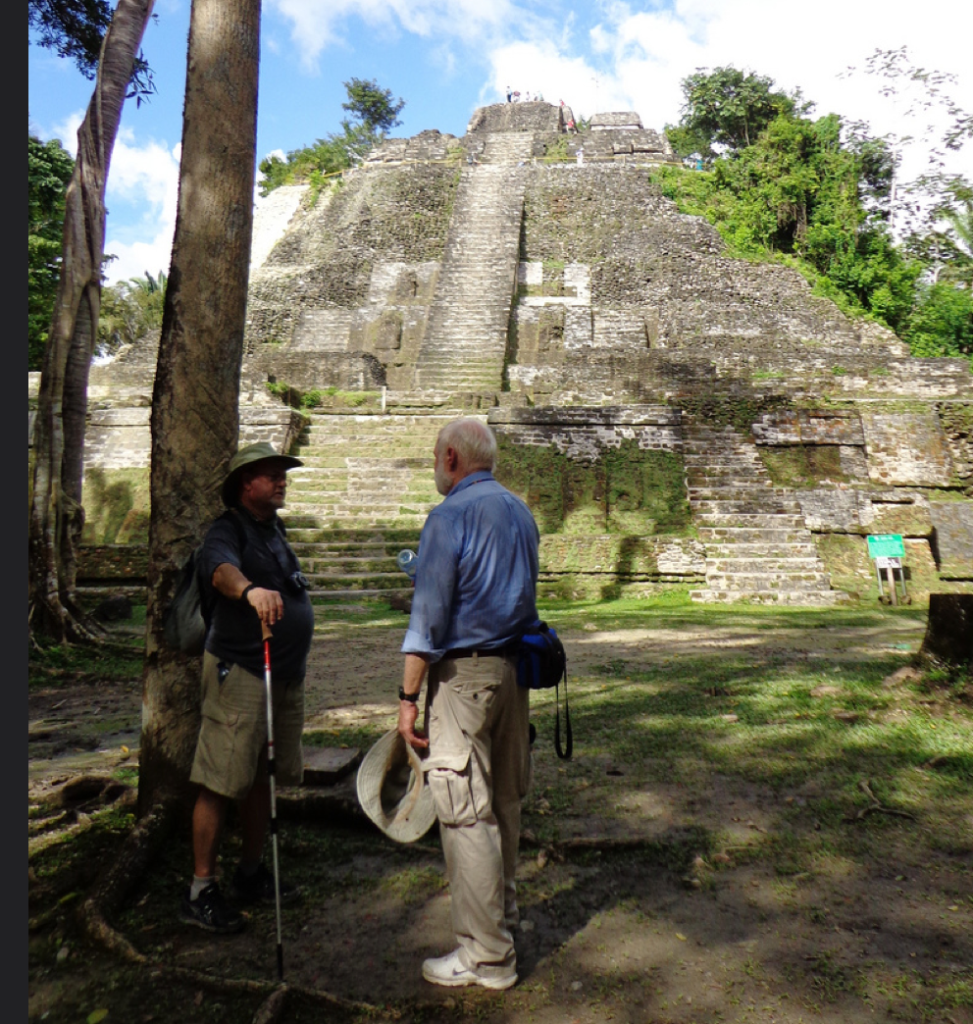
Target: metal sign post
point(888, 550)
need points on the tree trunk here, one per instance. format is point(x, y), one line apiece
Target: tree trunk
point(195, 411)
point(56, 514)
point(949, 630)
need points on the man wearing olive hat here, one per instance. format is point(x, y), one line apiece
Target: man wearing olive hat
point(251, 577)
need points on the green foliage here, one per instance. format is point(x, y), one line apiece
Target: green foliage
point(800, 191)
point(49, 169)
point(726, 108)
point(130, 311)
point(372, 105)
point(818, 194)
point(75, 29)
point(942, 323)
point(72, 28)
point(374, 115)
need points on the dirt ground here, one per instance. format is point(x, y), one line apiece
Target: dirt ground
point(633, 929)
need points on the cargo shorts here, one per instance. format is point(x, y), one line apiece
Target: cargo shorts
point(233, 732)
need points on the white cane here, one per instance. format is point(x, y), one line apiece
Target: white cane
point(271, 771)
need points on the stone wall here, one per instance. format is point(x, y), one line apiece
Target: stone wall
point(628, 321)
point(343, 299)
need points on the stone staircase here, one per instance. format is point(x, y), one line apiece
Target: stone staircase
point(361, 496)
point(466, 339)
point(757, 545)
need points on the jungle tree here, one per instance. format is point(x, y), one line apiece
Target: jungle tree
point(56, 513)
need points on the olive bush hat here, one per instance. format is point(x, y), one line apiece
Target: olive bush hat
point(251, 453)
point(392, 790)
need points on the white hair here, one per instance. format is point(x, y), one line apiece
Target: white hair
point(473, 441)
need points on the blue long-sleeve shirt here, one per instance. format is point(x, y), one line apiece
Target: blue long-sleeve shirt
point(476, 578)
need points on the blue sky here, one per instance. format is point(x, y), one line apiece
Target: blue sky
point(448, 57)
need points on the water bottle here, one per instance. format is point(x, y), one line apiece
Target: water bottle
point(408, 562)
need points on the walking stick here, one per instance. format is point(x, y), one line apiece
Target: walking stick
point(271, 772)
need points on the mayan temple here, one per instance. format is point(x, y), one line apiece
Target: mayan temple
point(674, 417)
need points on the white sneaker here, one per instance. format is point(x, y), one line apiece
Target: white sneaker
point(449, 971)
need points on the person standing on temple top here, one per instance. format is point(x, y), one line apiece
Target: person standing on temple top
point(509, 94)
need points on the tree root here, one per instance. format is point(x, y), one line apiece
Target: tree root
point(113, 886)
point(876, 805)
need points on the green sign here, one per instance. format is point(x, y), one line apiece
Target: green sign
point(886, 545)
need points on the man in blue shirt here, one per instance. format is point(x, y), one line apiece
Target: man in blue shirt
point(475, 590)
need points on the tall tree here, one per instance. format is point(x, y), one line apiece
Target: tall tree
point(195, 410)
point(372, 105)
point(49, 169)
point(727, 109)
point(74, 29)
point(374, 114)
point(56, 514)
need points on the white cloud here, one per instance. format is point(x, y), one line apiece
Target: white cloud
point(636, 58)
point(541, 68)
point(143, 179)
point(316, 24)
point(67, 131)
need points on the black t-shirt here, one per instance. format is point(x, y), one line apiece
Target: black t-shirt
point(267, 560)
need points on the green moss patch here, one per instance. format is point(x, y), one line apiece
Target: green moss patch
point(803, 465)
point(625, 490)
point(116, 503)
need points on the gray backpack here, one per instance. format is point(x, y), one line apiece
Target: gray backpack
point(186, 620)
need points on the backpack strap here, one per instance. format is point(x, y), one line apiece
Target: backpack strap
point(563, 753)
point(241, 531)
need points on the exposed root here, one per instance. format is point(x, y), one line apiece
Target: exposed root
point(110, 891)
point(876, 806)
point(272, 1007)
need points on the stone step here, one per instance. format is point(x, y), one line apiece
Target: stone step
point(759, 489)
point(732, 565)
point(322, 582)
point(808, 599)
point(718, 461)
point(405, 523)
point(337, 551)
point(358, 594)
point(751, 535)
point(767, 581)
point(328, 562)
point(356, 491)
point(748, 506)
point(744, 549)
point(751, 520)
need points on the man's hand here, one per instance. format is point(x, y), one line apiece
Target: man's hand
point(268, 604)
point(416, 666)
point(231, 583)
point(408, 713)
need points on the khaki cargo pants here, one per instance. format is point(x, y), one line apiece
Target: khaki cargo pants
point(478, 770)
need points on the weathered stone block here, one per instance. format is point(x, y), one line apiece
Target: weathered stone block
point(907, 449)
point(804, 426)
point(953, 538)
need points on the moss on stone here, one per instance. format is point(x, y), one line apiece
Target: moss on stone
point(803, 465)
point(116, 503)
point(625, 490)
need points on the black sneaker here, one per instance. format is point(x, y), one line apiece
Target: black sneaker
point(259, 887)
point(210, 912)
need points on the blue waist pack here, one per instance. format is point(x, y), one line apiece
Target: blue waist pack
point(542, 664)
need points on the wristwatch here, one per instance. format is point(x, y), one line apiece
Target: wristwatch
point(246, 590)
point(412, 698)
